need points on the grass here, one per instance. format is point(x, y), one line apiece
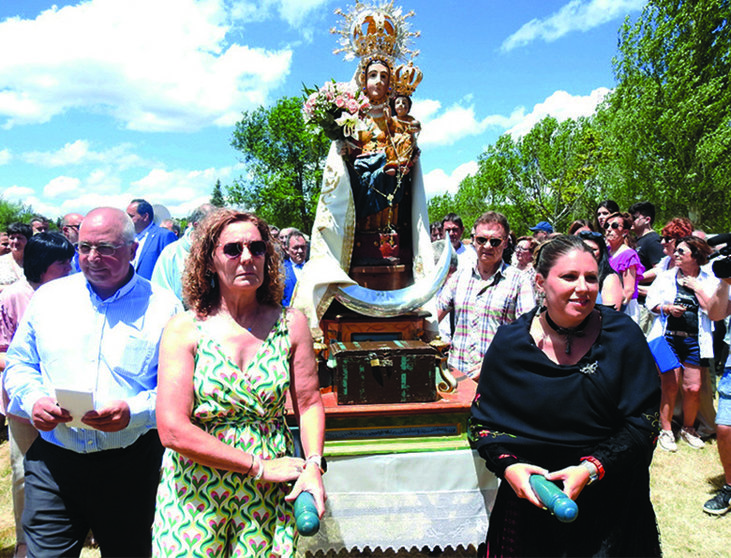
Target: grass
point(681, 482)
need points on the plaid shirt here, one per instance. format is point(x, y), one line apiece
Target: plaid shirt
point(481, 306)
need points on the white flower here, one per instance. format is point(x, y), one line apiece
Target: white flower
point(349, 123)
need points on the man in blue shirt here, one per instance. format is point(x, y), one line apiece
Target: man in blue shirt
point(97, 332)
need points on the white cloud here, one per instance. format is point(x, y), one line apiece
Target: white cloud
point(155, 66)
point(61, 186)
point(79, 153)
point(562, 106)
point(457, 122)
point(180, 191)
point(438, 182)
point(577, 15)
point(17, 193)
point(5, 157)
point(168, 188)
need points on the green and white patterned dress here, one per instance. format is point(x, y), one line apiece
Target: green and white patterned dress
point(202, 511)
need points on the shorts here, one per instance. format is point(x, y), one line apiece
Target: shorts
point(685, 348)
point(723, 415)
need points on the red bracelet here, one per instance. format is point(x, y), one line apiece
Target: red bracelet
point(598, 464)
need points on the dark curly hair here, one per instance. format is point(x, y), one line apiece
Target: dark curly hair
point(200, 285)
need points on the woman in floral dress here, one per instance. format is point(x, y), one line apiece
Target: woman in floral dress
point(225, 369)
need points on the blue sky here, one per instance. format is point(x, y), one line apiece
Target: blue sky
point(102, 101)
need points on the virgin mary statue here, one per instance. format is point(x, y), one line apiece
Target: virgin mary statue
point(372, 211)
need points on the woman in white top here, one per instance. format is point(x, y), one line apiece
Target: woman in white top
point(680, 296)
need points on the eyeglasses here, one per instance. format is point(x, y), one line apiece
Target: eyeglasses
point(680, 251)
point(494, 242)
point(521, 249)
point(103, 249)
point(613, 225)
point(256, 248)
point(71, 227)
point(667, 239)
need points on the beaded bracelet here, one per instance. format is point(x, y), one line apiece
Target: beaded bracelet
point(598, 464)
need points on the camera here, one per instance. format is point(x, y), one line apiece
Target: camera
point(722, 265)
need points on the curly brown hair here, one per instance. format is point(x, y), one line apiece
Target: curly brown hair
point(678, 227)
point(200, 285)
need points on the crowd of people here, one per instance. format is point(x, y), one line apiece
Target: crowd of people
point(151, 371)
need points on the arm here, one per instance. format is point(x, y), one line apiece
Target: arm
point(175, 406)
point(628, 284)
point(307, 403)
point(612, 291)
point(719, 305)
point(704, 290)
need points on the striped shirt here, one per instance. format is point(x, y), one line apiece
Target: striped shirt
point(480, 307)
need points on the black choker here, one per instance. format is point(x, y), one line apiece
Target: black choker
point(569, 332)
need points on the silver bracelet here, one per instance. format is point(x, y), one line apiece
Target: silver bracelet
point(260, 470)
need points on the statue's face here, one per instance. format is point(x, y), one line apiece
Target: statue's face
point(377, 78)
point(401, 104)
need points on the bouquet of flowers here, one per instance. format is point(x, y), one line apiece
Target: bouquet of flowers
point(336, 108)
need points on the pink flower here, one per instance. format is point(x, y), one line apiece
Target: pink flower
point(340, 102)
point(352, 106)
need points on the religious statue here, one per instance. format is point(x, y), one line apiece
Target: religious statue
point(372, 210)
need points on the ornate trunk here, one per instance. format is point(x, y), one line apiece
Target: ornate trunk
point(384, 372)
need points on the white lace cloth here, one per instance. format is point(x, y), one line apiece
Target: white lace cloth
point(436, 498)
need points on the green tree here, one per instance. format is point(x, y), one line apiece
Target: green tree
point(285, 163)
point(550, 174)
point(217, 198)
point(11, 212)
point(667, 124)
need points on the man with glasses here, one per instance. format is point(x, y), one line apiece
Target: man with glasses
point(297, 251)
point(70, 229)
point(95, 333)
point(484, 296)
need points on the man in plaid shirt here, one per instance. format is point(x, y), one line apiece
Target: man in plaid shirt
point(484, 296)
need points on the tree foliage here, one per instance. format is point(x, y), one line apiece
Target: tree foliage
point(217, 198)
point(668, 122)
point(548, 175)
point(663, 134)
point(11, 212)
point(284, 161)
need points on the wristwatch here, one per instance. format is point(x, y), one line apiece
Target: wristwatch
point(593, 471)
point(318, 460)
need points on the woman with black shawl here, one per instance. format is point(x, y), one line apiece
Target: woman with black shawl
point(570, 392)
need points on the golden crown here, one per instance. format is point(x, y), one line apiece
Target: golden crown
point(406, 78)
point(375, 31)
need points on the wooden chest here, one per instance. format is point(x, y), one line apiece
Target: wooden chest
point(384, 372)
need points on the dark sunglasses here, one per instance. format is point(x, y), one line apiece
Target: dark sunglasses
point(494, 242)
point(613, 225)
point(590, 235)
point(256, 248)
point(667, 239)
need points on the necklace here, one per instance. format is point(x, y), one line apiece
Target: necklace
point(568, 332)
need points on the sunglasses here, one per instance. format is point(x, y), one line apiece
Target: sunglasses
point(667, 239)
point(494, 242)
point(256, 248)
point(680, 251)
point(614, 225)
